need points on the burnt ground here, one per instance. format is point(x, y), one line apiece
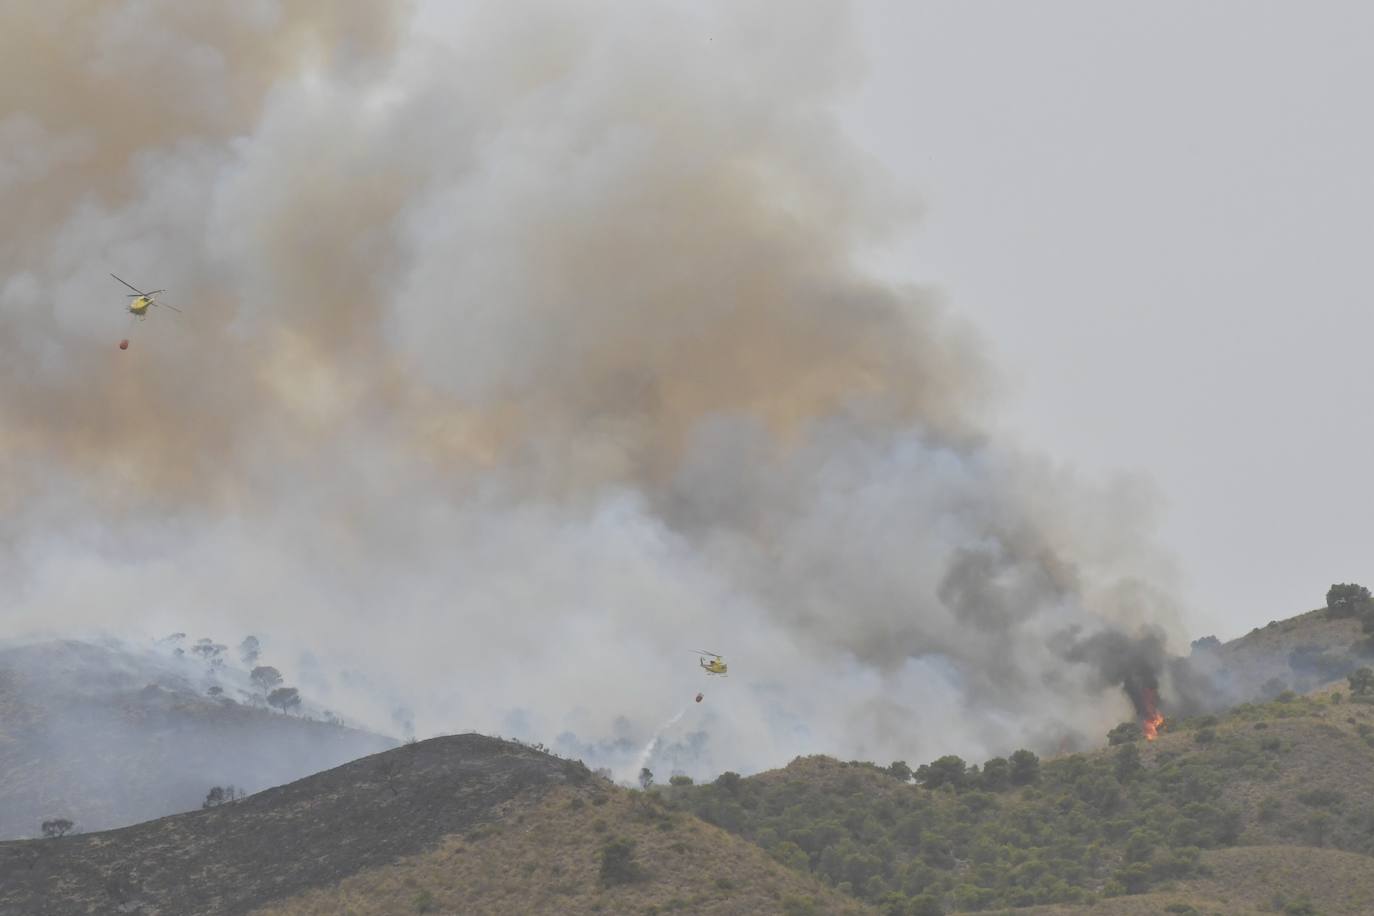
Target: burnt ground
point(282, 841)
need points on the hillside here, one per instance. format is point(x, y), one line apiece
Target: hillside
point(107, 737)
point(1265, 807)
point(1102, 828)
point(545, 857)
point(1251, 881)
point(468, 822)
point(1301, 654)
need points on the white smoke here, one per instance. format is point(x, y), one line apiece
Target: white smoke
point(516, 357)
point(647, 752)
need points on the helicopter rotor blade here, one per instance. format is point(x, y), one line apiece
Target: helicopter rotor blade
point(131, 286)
point(165, 305)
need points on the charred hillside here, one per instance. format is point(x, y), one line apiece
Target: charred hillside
point(106, 737)
point(311, 833)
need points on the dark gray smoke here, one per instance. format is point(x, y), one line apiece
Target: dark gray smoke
point(1133, 663)
point(1142, 667)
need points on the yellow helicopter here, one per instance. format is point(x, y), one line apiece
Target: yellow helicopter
point(141, 300)
point(711, 663)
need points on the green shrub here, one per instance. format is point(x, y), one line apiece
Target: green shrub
point(1176, 863)
point(1134, 878)
point(1025, 768)
point(1299, 907)
point(925, 905)
point(996, 774)
point(1346, 599)
point(1124, 733)
point(1126, 763)
point(1141, 846)
point(1321, 798)
point(617, 863)
point(947, 771)
point(729, 782)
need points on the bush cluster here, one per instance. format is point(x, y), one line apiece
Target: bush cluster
point(1346, 600)
point(1015, 832)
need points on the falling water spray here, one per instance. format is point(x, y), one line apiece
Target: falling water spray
point(643, 759)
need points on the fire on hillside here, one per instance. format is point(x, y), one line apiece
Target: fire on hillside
point(1151, 719)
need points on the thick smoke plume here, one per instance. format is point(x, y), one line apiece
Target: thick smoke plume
point(523, 351)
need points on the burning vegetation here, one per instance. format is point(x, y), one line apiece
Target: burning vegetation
point(1143, 690)
point(1151, 719)
point(1136, 663)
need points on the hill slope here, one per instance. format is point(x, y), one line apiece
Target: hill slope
point(1301, 653)
point(276, 843)
point(462, 817)
point(546, 857)
point(1252, 881)
point(1097, 827)
point(106, 737)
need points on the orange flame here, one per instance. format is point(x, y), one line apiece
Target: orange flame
point(1152, 720)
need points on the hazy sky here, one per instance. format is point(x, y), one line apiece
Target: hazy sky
point(1160, 217)
point(528, 347)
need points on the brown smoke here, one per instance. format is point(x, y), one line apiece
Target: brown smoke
point(555, 306)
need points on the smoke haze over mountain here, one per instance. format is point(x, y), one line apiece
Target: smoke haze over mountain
point(111, 735)
point(523, 352)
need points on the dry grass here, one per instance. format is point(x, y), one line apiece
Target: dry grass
point(1254, 880)
point(1263, 653)
point(545, 857)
